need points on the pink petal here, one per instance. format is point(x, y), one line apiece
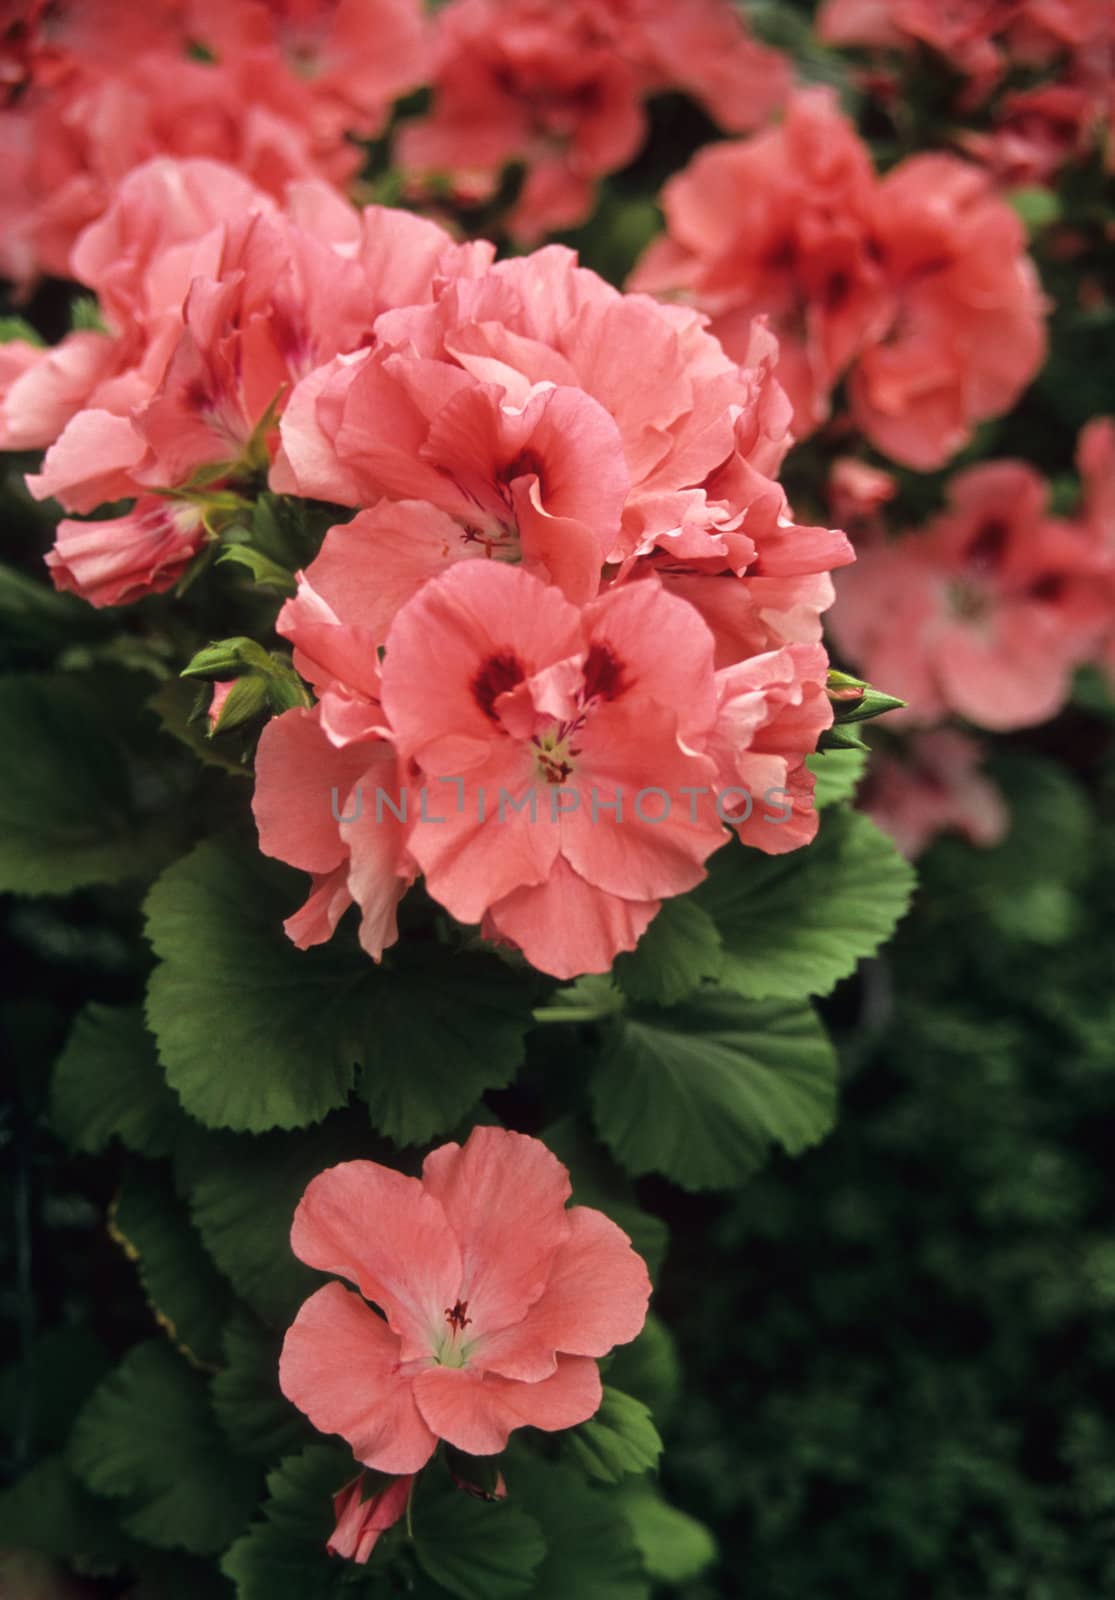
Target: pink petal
point(566, 926)
point(386, 1234)
point(316, 921)
point(302, 782)
point(91, 462)
point(596, 1298)
point(504, 1195)
point(340, 1365)
point(478, 1411)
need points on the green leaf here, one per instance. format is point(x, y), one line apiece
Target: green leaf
point(36, 616)
point(108, 1084)
point(649, 1368)
point(147, 1437)
point(257, 1418)
point(591, 1553)
point(267, 574)
point(621, 1438)
point(679, 950)
point(599, 1183)
point(796, 924)
point(69, 815)
point(701, 1091)
point(838, 773)
point(675, 1547)
point(284, 1556)
point(587, 1000)
point(242, 1196)
point(1037, 207)
point(226, 658)
point(49, 1510)
point(255, 1034)
point(40, 1392)
point(446, 1027)
point(475, 1549)
point(85, 315)
point(185, 1291)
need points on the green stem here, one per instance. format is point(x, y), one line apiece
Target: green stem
point(573, 1013)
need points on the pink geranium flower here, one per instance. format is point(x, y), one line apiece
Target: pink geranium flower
point(772, 710)
point(916, 287)
point(533, 412)
point(986, 612)
point(780, 224)
point(503, 696)
point(218, 304)
point(561, 89)
point(114, 561)
point(968, 332)
point(934, 785)
point(105, 86)
point(494, 1299)
point(313, 768)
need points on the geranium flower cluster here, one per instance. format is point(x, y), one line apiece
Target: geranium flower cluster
point(560, 89)
point(915, 288)
point(988, 610)
point(599, 625)
point(1036, 127)
point(215, 302)
point(93, 88)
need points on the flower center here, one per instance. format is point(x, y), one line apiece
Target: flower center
point(451, 1351)
point(495, 540)
point(552, 752)
point(968, 600)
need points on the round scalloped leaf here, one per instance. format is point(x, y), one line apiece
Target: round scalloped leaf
point(679, 950)
point(185, 1291)
point(794, 925)
point(701, 1091)
point(252, 1032)
point(621, 1438)
point(70, 813)
point(475, 1549)
point(255, 1034)
point(591, 1552)
point(147, 1437)
point(108, 1083)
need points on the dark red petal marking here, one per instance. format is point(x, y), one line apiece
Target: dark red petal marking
point(988, 545)
point(604, 676)
point(498, 674)
point(526, 464)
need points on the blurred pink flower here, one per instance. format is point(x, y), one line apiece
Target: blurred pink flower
point(272, 90)
point(915, 286)
point(561, 89)
point(780, 224)
point(986, 612)
point(934, 786)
